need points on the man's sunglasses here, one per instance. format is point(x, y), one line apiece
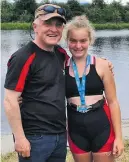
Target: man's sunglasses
point(51, 9)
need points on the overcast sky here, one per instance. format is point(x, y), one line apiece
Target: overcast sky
point(107, 1)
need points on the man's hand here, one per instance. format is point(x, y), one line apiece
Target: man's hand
point(111, 67)
point(22, 147)
point(12, 109)
point(19, 100)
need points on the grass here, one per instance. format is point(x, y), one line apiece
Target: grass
point(26, 26)
point(12, 157)
point(111, 26)
point(13, 26)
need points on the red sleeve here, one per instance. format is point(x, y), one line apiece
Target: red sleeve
point(66, 55)
point(18, 68)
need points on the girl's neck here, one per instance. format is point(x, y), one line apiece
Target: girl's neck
point(80, 60)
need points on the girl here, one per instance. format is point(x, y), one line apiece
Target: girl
point(94, 121)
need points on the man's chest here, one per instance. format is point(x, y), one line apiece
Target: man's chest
point(47, 70)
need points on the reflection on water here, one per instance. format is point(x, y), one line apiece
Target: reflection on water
point(113, 45)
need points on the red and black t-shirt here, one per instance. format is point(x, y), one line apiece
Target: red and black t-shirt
point(39, 75)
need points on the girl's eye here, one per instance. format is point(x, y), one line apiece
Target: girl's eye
point(83, 41)
point(72, 41)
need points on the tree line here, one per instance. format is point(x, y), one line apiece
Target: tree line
point(97, 12)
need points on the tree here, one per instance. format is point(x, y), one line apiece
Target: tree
point(107, 13)
point(23, 6)
point(116, 16)
point(7, 11)
point(98, 3)
point(75, 7)
point(127, 16)
point(98, 11)
point(95, 15)
point(44, 2)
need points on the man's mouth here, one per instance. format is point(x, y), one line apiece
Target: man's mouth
point(52, 35)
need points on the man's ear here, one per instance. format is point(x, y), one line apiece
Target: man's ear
point(63, 26)
point(34, 26)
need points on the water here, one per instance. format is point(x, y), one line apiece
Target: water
point(113, 45)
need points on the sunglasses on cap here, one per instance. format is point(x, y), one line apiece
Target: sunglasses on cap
point(51, 9)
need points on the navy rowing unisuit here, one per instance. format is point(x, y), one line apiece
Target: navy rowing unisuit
point(91, 131)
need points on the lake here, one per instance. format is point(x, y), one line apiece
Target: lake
point(111, 44)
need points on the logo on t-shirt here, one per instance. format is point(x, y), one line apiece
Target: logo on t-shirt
point(63, 71)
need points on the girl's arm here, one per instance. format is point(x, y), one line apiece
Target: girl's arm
point(110, 93)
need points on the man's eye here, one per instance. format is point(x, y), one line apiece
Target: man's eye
point(59, 24)
point(47, 22)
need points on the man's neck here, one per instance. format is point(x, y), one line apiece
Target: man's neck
point(44, 47)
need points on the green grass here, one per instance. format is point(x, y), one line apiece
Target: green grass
point(13, 26)
point(111, 26)
point(26, 26)
point(12, 157)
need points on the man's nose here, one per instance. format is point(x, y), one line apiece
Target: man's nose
point(53, 27)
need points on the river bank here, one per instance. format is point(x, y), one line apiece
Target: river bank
point(12, 157)
point(26, 26)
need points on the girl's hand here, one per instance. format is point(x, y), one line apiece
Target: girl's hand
point(118, 147)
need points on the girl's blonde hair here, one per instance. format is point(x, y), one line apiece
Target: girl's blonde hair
point(77, 23)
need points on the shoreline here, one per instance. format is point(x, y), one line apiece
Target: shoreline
point(125, 128)
point(7, 144)
point(99, 26)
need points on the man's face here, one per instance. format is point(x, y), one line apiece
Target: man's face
point(49, 32)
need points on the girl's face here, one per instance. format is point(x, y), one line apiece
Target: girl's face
point(78, 42)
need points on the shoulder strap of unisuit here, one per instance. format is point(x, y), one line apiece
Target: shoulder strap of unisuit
point(93, 60)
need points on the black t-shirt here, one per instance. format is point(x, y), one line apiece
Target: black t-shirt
point(39, 75)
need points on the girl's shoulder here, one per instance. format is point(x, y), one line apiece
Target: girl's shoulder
point(102, 62)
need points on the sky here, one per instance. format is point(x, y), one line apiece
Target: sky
point(89, 1)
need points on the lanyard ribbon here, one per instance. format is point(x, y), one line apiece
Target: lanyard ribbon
point(81, 85)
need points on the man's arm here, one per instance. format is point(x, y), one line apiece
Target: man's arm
point(110, 65)
point(13, 112)
point(18, 67)
point(12, 109)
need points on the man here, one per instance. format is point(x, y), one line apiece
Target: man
point(36, 72)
